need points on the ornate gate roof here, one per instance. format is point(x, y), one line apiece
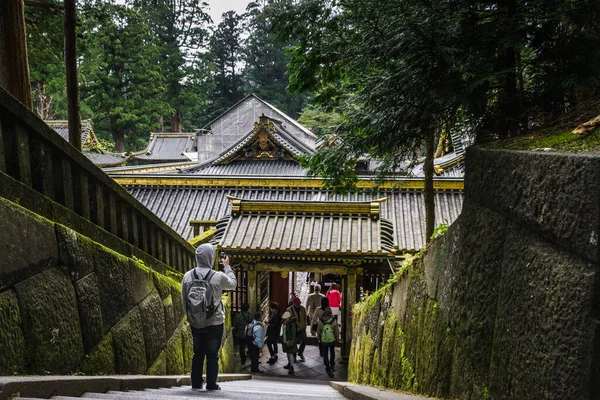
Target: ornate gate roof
point(292, 230)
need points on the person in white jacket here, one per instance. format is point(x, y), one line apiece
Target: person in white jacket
point(207, 341)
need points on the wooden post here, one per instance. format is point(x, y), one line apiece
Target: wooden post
point(135, 229)
point(14, 65)
point(71, 72)
point(348, 301)
point(2, 157)
point(23, 155)
point(252, 288)
point(44, 156)
point(112, 210)
point(84, 195)
point(100, 205)
point(67, 183)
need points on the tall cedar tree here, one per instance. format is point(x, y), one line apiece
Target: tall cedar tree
point(180, 27)
point(122, 81)
point(225, 53)
point(265, 59)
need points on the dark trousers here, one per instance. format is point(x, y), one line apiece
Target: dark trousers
point(242, 348)
point(301, 338)
point(207, 342)
point(272, 346)
point(253, 350)
point(328, 354)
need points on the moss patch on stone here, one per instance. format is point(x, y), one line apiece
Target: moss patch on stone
point(175, 354)
point(153, 326)
point(50, 323)
point(170, 324)
point(101, 359)
point(159, 367)
point(129, 344)
point(90, 312)
point(114, 283)
point(12, 349)
point(557, 139)
point(188, 345)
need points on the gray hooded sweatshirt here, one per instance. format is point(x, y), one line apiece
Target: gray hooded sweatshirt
point(205, 259)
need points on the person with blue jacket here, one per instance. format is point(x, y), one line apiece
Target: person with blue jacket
point(258, 340)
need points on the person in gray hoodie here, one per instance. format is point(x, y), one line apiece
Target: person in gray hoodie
point(207, 341)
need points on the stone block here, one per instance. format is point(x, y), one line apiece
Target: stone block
point(175, 354)
point(545, 325)
point(114, 283)
point(27, 243)
point(159, 367)
point(142, 281)
point(50, 323)
point(76, 252)
point(170, 324)
point(556, 195)
point(177, 305)
point(153, 325)
point(128, 339)
point(90, 310)
point(101, 359)
point(12, 348)
point(188, 345)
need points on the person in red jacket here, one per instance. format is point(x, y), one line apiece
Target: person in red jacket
point(335, 300)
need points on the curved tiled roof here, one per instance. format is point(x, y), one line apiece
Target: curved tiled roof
point(405, 209)
point(167, 147)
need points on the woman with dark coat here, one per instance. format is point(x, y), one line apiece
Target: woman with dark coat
point(289, 340)
point(273, 328)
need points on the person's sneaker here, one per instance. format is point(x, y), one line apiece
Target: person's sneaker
point(330, 374)
point(216, 387)
point(287, 366)
point(291, 371)
point(199, 387)
point(302, 357)
point(271, 361)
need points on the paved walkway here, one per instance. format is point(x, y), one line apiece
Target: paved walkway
point(312, 368)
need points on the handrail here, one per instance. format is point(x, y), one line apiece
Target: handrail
point(33, 154)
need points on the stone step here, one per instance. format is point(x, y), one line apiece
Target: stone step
point(140, 394)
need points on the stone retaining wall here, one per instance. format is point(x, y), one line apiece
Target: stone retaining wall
point(505, 305)
point(70, 305)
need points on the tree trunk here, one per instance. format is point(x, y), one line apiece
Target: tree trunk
point(118, 136)
point(161, 123)
point(71, 70)
point(428, 190)
point(119, 139)
point(14, 65)
point(176, 125)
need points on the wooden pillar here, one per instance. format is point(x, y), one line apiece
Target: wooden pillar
point(23, 155)
point(67, 178)
point(2, 156)
point(349, 299)
point(252, 288)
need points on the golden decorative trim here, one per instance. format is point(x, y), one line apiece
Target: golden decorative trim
point(272, 183)
point(241, 206)
point(149, 168)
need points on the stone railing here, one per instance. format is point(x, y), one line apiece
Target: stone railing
point(34, 155)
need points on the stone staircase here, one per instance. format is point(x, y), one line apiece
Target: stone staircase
point(258, 388)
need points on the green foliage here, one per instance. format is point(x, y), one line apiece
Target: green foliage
point(265, 59)
point(319, 121)
point(559, 140)
point(45, 48)
point(122, 80)
point(225, 53)
point(440, 230)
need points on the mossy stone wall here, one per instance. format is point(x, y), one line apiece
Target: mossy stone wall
point(71, 305)
point(505, 305)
